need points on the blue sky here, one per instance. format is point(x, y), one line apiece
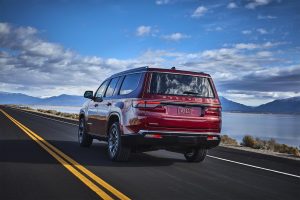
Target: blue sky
point(250, 47)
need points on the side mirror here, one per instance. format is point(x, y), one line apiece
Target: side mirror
point(99, 98)
point(88, 94)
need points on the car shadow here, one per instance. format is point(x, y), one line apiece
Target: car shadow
point(28, 151)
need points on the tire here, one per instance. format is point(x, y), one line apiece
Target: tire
point(195, 155)
point(84, 139)
point(117, 151)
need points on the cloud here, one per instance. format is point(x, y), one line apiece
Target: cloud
point(175, 36)
point(262, 31)
point(200, 11)
point(34, 66)
point(255, 3)
point(143, 30)
point(162, 2)
point(218, 28)
point(232, 5)
point(246, 32)
point(266, 17)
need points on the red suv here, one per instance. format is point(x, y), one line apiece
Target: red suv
point(146, 109)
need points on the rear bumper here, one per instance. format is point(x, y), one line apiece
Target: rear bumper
point(172, 139)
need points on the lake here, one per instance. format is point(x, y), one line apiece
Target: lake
point(283, 128)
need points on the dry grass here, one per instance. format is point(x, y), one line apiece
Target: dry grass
point(225, 139)
point(60, 114)
point(272, 145)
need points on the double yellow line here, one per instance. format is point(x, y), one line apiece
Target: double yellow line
point(75, 168)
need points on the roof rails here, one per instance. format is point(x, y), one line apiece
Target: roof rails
point(132, 70)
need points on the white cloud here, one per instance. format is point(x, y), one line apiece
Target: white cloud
point(31, 65)
point(200, 11)
point(232, 5)
point(4, 28)
point(255, 3)
point(143, 30)
point(162, 2)
point(175, 36)
point(246, 32)
point(264, 54)
point(266, 17)
point(262, 31)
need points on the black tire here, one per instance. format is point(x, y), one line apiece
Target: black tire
point(84, 139)
point(117, 151)
point(195, 154)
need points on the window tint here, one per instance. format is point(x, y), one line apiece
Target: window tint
point(130, 83)
point(101, 89)
point(176, 84)
point(111, 87)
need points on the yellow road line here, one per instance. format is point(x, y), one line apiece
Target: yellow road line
point(58, 155)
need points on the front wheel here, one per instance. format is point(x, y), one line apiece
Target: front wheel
point(84, 139)
point(117, 151)
point(195, 154)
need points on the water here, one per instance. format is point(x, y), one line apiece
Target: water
point(65, 109)
point(283, 128)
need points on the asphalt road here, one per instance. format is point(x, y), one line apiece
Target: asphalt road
point(28, 171)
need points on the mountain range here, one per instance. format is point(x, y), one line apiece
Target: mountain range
point(289, 105)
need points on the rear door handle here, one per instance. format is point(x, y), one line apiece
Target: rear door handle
point(108, 104)
point(96, 105)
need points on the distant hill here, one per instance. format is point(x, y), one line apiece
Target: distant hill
point(17, 98)
point(61, 100)
point(290, 105)
point(231, 106)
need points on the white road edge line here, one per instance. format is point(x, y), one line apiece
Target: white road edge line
point(45, 117)
point(253, 166)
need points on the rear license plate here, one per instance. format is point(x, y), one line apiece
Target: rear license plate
point(184, 111)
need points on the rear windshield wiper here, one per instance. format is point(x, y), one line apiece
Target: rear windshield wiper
point(190, 92)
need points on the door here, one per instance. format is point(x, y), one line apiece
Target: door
point(104, 107)
point(93, 122)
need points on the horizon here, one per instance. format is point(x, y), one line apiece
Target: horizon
point(250, 48)
point(45, 97)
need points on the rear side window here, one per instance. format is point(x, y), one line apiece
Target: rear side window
point(130, 83)
point(111, 87)
point(177, 84)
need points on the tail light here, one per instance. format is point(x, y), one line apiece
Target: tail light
point(154, 106)
point(212, 111)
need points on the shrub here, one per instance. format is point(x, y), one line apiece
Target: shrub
point(248, 141)
point(225, 139)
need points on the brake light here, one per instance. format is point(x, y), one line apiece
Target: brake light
point(155, 106)
point(212, 137)
point(213, 111)
point(157, 136)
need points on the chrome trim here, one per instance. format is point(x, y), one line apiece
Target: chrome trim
point(143, 132)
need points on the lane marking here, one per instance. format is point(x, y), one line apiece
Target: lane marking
point(28, 112)
point(70, 164)
point(256, 167)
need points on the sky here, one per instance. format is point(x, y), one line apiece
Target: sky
point(251, 48)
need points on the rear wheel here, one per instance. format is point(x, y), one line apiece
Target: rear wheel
point(195, 154)
point(84, 139)
point(117, 151)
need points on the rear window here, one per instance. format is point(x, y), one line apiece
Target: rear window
point(130, 83)
point(177, 84)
